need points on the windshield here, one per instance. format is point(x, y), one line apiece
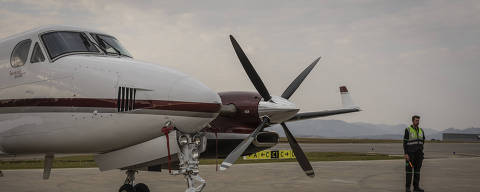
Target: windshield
point(110, 45)
point(62, 42)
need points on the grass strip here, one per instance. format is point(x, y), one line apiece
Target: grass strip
point(86, 161)
point(81, 161)
point(326, 140)
point(314, 156)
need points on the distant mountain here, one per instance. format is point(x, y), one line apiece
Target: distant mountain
point(342, 129)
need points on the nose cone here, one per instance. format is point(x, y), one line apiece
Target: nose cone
point(192, 90)
point(278, 109)
point(199, 104)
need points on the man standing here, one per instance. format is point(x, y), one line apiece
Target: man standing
point(413, 149)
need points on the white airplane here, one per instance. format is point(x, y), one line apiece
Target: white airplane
point(69, 90)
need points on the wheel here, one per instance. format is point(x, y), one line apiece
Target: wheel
point(140, 187)
point(126, 188)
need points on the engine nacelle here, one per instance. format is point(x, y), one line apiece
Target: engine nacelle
point(228, 141)
point(239, 113)
point(266, 139)
point(239, 117)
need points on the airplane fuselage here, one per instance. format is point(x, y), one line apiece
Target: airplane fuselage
point(93, 103)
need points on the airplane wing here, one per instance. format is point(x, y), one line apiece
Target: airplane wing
point(310, 115)
point(347, 103)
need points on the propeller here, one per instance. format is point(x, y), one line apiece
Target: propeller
point(265, 120)
point(296, 83)
point(252, 74)
point(216, 149)
point(238, 151)
point(299, 154)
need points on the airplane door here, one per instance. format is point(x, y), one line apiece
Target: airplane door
point(30, 73)
point(27, 63)
point(18, 59)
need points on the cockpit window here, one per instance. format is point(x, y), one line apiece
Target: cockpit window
point(37, 54)
point(110, 45)
point(20, 53)
point(62, 42)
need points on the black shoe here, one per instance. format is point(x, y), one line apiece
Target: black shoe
point(418, 189)
point(408, 190)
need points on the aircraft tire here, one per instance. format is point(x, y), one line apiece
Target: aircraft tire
point(140, 187)
point(126, 188)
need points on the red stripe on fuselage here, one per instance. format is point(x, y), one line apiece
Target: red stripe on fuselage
point(112, 103)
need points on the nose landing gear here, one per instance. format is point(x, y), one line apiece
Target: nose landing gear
point(190, 145)
point(188, 156)
point(130, 186)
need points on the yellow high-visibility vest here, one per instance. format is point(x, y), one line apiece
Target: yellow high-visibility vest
point(414, 137)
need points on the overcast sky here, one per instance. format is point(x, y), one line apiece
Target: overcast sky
point(398, 58)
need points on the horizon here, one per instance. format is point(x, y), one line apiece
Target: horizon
point(293, 129)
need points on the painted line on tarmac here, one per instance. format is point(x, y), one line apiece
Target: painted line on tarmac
point(466, 154)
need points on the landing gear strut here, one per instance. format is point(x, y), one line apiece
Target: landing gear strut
point(188, 156)
point(130, 186)
point(190, 145)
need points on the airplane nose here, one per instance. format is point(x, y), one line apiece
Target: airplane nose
point(191, 90)
point(198, 104)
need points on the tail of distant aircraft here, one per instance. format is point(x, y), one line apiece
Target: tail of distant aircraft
point(347, 107)
point(347, 101)
point(1, 150)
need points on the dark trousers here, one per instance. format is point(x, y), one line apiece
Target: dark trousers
point(416, 158)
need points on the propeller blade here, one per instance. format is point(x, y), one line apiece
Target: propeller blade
point(238, 151)
point(216, 149)
point(252, 74)
point(299, 154)
point(296, 83)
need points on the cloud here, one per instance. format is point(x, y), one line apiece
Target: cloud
point(397, 57)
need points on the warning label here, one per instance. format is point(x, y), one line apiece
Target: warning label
point(268, 154)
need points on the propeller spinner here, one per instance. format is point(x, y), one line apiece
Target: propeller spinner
point(271, 109)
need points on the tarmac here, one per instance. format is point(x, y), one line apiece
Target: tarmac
point(444, 172)
point(431, 150)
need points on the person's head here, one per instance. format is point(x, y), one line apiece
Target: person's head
point(416, 120)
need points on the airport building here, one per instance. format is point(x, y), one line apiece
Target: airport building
point(462, 137)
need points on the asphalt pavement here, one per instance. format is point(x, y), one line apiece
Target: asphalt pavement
point(446, 174)
point(442, 171)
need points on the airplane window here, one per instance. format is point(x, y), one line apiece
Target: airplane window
point(20, 53)
point(37, 54)
point(110, 45)
point(62, 42)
